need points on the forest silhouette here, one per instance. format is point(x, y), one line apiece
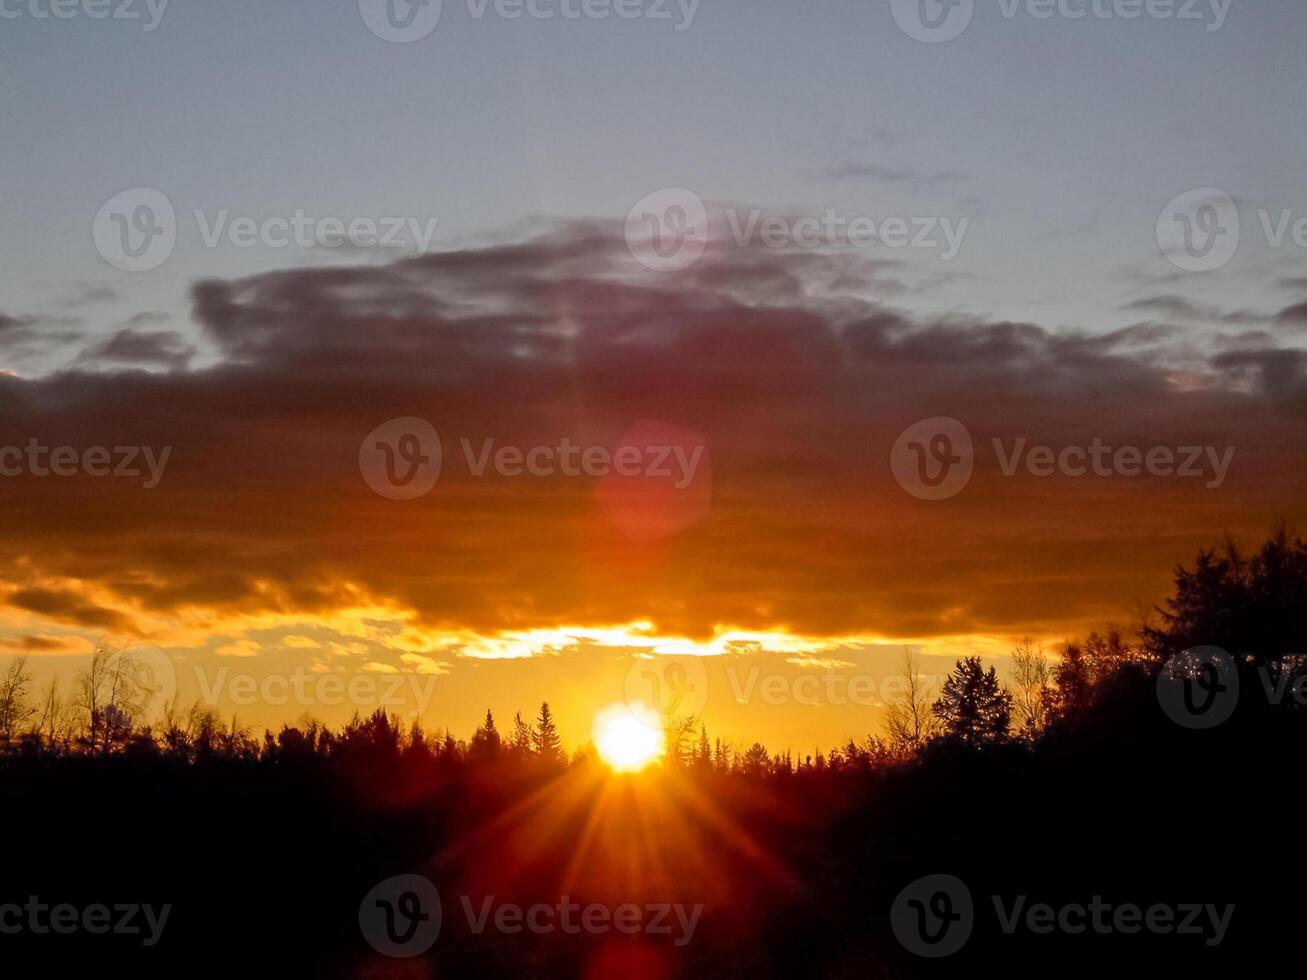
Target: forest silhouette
point(1070, 780)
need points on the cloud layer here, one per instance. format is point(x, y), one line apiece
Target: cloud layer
point(794, 368)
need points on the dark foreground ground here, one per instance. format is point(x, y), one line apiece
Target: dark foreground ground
point(265, 862)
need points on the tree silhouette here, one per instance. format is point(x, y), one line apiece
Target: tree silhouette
point(909, 720)
point(545, 740)
point(1250, 607)
point(14, 707)
point(1032, 675)
point(485, 740)
point(973, 706)
point(523, 741)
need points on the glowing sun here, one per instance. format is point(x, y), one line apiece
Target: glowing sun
point(625, 742)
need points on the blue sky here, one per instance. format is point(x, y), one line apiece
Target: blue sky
point(1060, 139)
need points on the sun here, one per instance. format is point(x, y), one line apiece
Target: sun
point(625, 742)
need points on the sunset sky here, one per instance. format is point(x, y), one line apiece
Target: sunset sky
point(788, 373)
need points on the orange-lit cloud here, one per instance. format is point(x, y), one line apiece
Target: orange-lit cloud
point(793, 370)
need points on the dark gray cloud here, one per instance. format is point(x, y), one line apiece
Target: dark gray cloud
point(1180, 308)
point(139, 348)
point(25, 338)
point(796, 369)
point(1295, 315)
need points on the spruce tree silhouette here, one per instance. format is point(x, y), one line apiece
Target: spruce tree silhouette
point(547, 742)
point(1249, 607)
point(973, 706)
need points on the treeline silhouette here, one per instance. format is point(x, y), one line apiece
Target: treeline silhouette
point(1066, 782)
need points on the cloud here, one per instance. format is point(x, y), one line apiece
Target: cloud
point(139, 348)
point(1294, 315)
point(42, 644)
point(854, 170)
point(797, 370)
point(24, 338)
point(88, 294)
point(1180, 308)
point(146, 319)
point(66, 607)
